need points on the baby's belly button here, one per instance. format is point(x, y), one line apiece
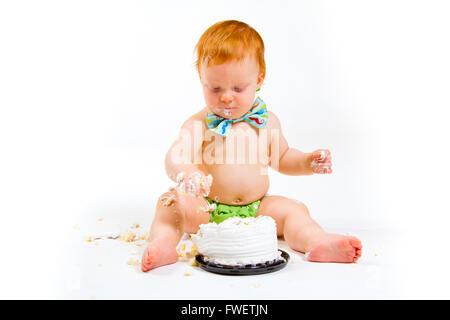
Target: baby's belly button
point(236, 200)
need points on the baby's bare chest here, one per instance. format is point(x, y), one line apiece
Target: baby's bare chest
point(244, 145)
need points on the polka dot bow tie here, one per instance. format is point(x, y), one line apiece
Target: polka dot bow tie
point(256, 116)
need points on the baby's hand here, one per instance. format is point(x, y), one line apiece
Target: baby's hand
point(320, 161)
point(195, 183)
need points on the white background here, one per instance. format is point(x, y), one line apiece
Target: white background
point(92, 93)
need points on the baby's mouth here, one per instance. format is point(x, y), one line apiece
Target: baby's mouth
point(226, 108)
point(227, 111)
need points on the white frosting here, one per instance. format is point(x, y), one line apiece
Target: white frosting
point(238, 241)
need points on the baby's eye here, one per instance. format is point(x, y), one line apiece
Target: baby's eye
point(237, 89)
point(216, 89)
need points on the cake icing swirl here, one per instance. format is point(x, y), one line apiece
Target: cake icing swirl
point(239, 241)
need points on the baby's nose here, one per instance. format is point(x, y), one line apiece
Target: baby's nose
point(226, 98)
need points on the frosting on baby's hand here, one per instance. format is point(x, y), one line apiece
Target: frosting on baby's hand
point(195, 184)
point(321, 161)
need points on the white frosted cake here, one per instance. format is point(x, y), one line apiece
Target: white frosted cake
point(239, 241)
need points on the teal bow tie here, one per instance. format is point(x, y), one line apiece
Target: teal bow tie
point(256, 116)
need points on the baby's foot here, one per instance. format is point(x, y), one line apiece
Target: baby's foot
point(336, 248)
point(157, 254)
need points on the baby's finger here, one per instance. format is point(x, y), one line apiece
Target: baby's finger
point(318, 155)
point(323, 169)
point(321, 155)
point(326, 155)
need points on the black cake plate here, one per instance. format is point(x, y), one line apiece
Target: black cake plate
point(249, 269)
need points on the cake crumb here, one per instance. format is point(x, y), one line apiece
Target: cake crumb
point(187, 274)
point(128, 236)
point(143, 237)
point(133, 262)
point(100, 265)
point(100, 219)
point(376, 254)
point(182, 251)
point(194, 250)
point(257, 285)
point(168, 200)
point(193, 262)
point(187, 255)
point(88, 239)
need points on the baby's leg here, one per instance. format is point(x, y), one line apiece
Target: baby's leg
point(175, 214)
point(303, 234)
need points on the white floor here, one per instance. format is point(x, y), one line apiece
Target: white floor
point(101, 270)
point(45, 254)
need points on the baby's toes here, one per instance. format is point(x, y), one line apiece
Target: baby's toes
point(357, 245)
point(144, 265)
point(147, 259)
point(350, 254)
point(355, 242)
point(357, 255)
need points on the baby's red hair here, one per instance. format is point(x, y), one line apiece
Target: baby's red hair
point(229, 40)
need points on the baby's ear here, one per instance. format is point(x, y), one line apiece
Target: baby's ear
point(261, 78)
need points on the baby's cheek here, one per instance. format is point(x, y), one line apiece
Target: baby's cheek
point(214, 109)
point(212, 101)
point(248, 100)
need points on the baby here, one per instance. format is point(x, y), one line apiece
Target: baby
point(221, 158)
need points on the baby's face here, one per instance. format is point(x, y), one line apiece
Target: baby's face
point(229, 89)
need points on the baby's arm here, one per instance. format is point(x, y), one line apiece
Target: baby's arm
point(180, 157)
point(180, 164)
point(292, 161)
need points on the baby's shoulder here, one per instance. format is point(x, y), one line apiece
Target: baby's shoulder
point(273, 121)
point(195, 120)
